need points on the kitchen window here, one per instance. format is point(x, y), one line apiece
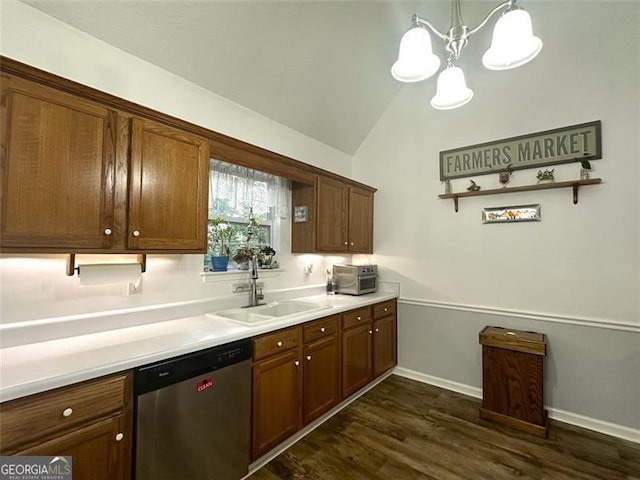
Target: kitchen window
point(239, 194)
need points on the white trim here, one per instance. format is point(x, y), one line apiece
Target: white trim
point(608, 428)
point(266, 458)
point(554, 318)
point(439, 382)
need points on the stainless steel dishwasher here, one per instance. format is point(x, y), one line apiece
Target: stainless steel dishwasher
point(193, 415)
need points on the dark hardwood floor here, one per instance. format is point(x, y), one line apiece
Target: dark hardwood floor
point(405, 430)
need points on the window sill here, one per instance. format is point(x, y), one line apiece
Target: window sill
point(211, 277)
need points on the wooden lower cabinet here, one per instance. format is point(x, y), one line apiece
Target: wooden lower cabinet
point(356, 358)
point(302, 372)
point(89, 421)
point(98, 452)
point(384, 345)
point(321, 377)
point(277, 400)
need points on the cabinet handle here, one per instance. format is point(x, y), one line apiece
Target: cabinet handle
point(67, 412)
point(119, 437)
point(377, 330)
point(279, 343)
point(296, 363)
point(386, 310)
point(346, 243)
point(135, 233)
point(322, 329)
point(108, 231)
point(370, 332)
point(351, 244)
point(308, 357)
point(359, 318)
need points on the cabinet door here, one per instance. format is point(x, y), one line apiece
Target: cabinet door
point(99, 452)
point(57, 169)
point(384, 344)
point(356, 358)
point(168, 188)
point(360, 220)
point(331, 233)
point(277, 402)
point(321, 377)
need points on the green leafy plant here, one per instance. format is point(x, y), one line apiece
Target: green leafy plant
point(584, 162)
point(243, 255)
point(220, 234)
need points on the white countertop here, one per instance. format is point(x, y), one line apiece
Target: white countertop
point(37, 367)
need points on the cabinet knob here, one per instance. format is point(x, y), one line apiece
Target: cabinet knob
point(377, 330)
point(370, 332)
point(359, 318)
point(346, 243)
point(119, 436)
point(296, 363)
point(308, 357)
point(351, 244)
point(108, 231)
point(67, 412)
point(386, 310)
point(135, 233)
point(279, 343)
point(322, 329)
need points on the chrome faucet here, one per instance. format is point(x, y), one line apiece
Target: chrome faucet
point(255, 294)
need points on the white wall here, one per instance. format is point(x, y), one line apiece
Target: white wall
point(35, 287)
point(580, 264)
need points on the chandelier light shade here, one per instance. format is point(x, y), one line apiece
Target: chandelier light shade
point(416, 60)
point(513, 44)
point(452, 89)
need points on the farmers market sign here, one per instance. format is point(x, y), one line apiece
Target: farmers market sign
point(551, 147)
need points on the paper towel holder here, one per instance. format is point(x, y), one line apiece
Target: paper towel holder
point(72, 269)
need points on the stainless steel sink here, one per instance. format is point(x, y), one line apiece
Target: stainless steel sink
point(270, 311)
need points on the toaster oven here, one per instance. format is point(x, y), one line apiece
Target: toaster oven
point(356, 279)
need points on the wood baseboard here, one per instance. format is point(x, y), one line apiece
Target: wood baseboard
point(532, 428)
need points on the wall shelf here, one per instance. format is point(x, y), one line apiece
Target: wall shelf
point(574, 184)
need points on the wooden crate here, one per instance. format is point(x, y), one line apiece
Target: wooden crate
point(512, 379)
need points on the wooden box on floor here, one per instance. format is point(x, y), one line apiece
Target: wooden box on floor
point(512, 379)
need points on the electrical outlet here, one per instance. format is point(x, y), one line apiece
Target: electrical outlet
point(244, 287)
point(240, 287)
point(134, 288)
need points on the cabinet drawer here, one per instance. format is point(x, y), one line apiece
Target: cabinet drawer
point(383, 309)
point(276, 342)
point(320, 328)
point(38, 417)
point(356, 317)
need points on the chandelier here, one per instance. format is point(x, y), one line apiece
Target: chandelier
point(512, 45)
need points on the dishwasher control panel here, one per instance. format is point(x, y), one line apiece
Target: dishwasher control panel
point(157, 375)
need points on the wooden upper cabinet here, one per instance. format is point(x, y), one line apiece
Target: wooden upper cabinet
point(332, 202)
point(360, 220)
point(79, 177)
point(339, 217)
point(57, 168)
point(168, 188)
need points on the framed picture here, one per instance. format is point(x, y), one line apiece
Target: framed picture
point(300, 213)
point(521, 213)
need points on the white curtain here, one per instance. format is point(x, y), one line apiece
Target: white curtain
point(235, 190)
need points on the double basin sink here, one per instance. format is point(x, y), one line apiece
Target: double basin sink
point(269, 311)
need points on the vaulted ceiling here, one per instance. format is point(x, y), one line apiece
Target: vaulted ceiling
point(319, 67)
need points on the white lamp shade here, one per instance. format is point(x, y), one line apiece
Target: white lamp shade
point(513, 43)
point(416, 60)
point(452, 90)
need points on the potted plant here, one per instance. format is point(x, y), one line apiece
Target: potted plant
point(220, 235)
point(242, 257)
point(585, 168)
point(265, 256)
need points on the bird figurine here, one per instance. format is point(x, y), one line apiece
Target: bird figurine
point(473, 187)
